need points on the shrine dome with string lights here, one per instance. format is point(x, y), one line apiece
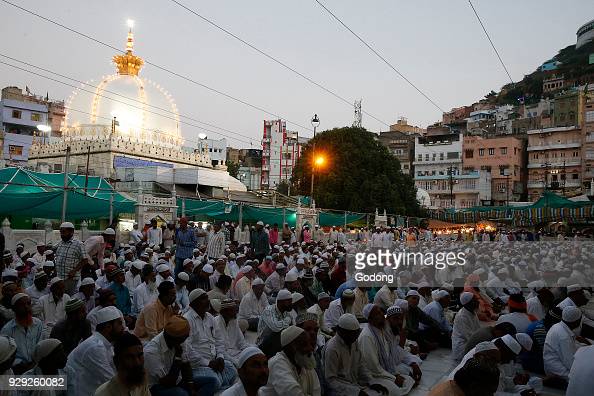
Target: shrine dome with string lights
point(123, 104)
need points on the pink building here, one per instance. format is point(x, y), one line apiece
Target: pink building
point(504, 158)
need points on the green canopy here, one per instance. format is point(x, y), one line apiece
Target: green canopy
point(36, 194)
point(338, 219)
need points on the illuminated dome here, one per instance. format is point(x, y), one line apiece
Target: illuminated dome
point(124, 105)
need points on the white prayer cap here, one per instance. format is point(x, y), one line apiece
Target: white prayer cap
point(258, 281)
point(289, 335)
point(163, 268)
point(301, 261)
point(348, 321)
point(412, 293)
point(280, 266)
point(248, 353)
point(109, 231)
point(87, 281)
point(10, 272)
point(393, 310)
point(208, 269)
point(108, 314)
point(536, 285)
point(17, 297)
point(260, 223)
point(106, 260)
point(48, 264)
point(402, 304)
point(485, 346)
point(232, 256)
point(323, 295)
point(55, 280)
point(367, 310)
point(291, 277)
point(434, 294)
point(512, 343)
point(48, 252)
point(423, 284)
point(525, 340)
point(571, 314)
point(67, 224)
point(7, 348)
point(186, 261)
point(297, 296)
point(572, 288)
point(44, 348)
point(479, 271)
point(284, 294)
point(40, 244)
point(148, 250)
point(246, 269)
point(196, 250)
point(441, 294)
point(466, 297)
point(194, 294)
point(138, 264)
point(183, 276)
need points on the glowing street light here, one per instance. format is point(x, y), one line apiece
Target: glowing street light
point(130, 23)
point(320, 160)
point(315, 122)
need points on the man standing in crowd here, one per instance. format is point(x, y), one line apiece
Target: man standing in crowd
point(185, 242)
point(70, 257)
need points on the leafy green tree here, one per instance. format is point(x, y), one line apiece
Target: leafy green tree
point(358, 174)
point(233, 168)
point(283, 188)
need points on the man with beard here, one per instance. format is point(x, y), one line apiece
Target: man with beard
point(86, 293)
point(406, 363)
point(38, 289)
point(276, 280)
point(75, 328)
point(128, 359)
point(145, 293)
point(344, 370)
point(226, 326)
point(465, 324)
point(338, 307)
point(375, 345)
point(253, 304)
point(52, 304)
point(70, 258)
point(539, 305)
point(122, 294)
point(275, 318)
point(319, 309)
point(292, 369)
point(153, 317)
point(90, 364)
point(253, 373)
point(51, 359)
point(26, 331)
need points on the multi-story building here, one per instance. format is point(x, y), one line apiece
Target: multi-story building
point(481, 122)
point(438, 170)
point(567, 109)
point(585, 34)
point(402, 146)
point(232, 155)
point(217, 150)
point(403, 126)
point(588, 146)
point(250, 176)
point(502, 157)
point(553, 83)
point(280, 151)
point(554, 160)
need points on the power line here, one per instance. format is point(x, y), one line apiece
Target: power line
point(125, 97)
point(378, 55)
point(162, 68)
point(491, 41)
point(272, 58)
point(119, 101)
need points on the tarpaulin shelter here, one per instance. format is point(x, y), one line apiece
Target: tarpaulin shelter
point(36, 194)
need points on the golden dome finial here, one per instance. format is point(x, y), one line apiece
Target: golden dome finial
point(128, 64)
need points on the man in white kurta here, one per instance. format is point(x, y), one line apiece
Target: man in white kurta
point(560, 344)
point(376, 350)
point(385, 297)
point(581, 375)
point(466, 323)
point(51, 306)
point(145, 293)
point(338, 307)
point(226, 326)
point(287, 377)
point(253, 304)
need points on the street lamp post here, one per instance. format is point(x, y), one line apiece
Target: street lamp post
point(315, 122)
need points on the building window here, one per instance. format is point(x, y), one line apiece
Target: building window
point(575, 154)
point(481, 152)
point(453, 155)
point(503, 150)
point(441, 156)
point(16, 114)
point(420, 157)
point(469, 153)
point(57, 168)
point(427, 157)
point(35, 117)
point(491, 151)
point(589, 116)
point(574, 176)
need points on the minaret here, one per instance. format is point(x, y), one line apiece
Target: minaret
point(128, 63)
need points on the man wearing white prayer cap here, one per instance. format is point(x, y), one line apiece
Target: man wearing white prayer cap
point(575, 297)
point(163, 273)
point(466, 323)
point(292, 370)
point(91, 364)
point(8, 350)
point(378, 357)
point(252, 305)
point(337, 307)
point(70, 257)
point(436, 310)
point(252, 371)
point(275, 318)
point(50, 357)
point(243, 285)
point(560, 344)
point(52, 305)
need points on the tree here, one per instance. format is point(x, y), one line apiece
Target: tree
point(283, 188)
point(358, 174)
point(233, 168)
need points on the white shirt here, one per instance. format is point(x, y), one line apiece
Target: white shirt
point(52, 312)
point(333, 313)
point(155, 236)
point(535, 308)
point(559, 350)
point(35, 294)
point(384, 297)
point(568, 302)
point(344, 368)
point(233, 339)
point(136, 236)
point(132, 282)
point(204, 343)
point(158, 359)
point(519, 319)
point(143, 296)
point(274, 283)
point(465, 324)
point(284, 379)
point(252, 307)
point(581, 375)
point(89, 365)
point(242, 287)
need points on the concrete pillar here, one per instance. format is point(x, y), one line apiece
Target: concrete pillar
point(7, 232)
point(84, 230)
point(49, 232)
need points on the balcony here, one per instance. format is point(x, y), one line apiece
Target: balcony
point(555, 184)
point(589, 138)
point(566, 145)
point(538, 164)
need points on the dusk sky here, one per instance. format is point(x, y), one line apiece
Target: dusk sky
point(438, 45)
